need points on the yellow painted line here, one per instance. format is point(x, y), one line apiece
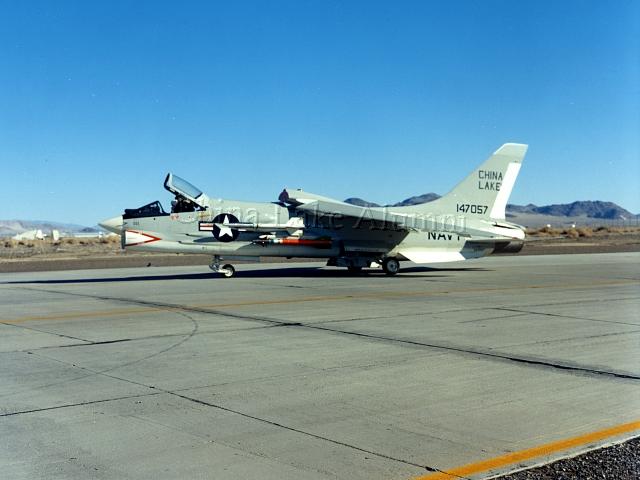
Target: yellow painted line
point(420, 293)
point(323, 298)
point(93, 313)
point(531, 453)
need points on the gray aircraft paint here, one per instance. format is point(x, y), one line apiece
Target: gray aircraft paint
point(468, 222)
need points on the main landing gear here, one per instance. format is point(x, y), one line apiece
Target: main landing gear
point(225, 270)
point(390, 266)
point(355, 264)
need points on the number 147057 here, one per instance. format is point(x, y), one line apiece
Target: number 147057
point(471, 208)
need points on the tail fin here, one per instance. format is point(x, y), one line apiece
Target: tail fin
point(484, 193)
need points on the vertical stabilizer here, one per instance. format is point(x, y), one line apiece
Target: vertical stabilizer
point(484, 193)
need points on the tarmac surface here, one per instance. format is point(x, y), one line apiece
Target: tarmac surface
point(303, 372)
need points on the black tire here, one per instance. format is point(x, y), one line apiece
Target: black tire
point(228, 270)
point(354, 269)
point(391, 266)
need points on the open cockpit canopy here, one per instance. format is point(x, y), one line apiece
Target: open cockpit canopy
point(181, 188)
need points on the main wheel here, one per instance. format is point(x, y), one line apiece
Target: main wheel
point(228, 270)
point(391, 266)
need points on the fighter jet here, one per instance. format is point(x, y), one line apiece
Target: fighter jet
point(467, 223)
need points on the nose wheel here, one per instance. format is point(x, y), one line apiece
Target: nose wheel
point(225, 270)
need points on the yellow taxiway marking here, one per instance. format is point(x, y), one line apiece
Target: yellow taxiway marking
point(420, 293)
point(93, 313)
point(323, 298)
point(531, 453)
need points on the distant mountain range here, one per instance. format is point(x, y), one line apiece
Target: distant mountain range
point(591, 209)
point(424, 198)
point(13, 227)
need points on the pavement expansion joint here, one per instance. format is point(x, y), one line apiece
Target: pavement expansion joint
point(303, 432)
point(158, 390)
point(171, 307)
point(61, 335)
point(92, 372)
point(494, 355)
point(558, 315)
point(568, 339)
point(576, 369)
point(89, 343)
point(79, 404)
point(506, 391)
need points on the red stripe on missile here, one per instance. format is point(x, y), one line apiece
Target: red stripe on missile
point(299, 242)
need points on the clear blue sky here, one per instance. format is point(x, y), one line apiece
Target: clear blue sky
point(381, 100)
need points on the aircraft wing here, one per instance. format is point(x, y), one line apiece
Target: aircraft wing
point(383, 217)
point(312, 203)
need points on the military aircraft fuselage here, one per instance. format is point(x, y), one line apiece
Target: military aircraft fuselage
point(205, 231)
point(467, 223)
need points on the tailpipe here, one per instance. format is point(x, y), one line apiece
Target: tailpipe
point(513, 246)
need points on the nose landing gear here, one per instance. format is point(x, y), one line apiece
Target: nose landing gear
point(225, 270)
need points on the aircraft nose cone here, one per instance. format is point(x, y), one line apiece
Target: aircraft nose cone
point(112, 224)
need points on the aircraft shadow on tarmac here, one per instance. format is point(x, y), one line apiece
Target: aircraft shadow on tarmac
point(292, 272)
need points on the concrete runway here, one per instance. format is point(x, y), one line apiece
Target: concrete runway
point(301, 372)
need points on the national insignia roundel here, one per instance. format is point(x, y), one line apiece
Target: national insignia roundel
point(221, 231)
